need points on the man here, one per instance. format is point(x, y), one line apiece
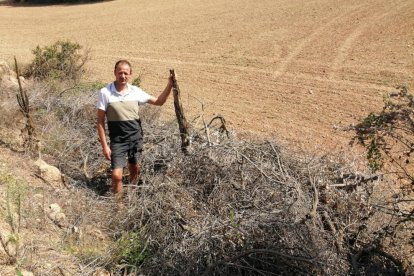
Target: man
point(119, 101)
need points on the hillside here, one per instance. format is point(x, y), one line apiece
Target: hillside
point(233, 209)
point(288, 69)
point(228, 207)
point(275, 190)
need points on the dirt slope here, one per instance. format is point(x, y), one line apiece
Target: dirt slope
point(292, 69)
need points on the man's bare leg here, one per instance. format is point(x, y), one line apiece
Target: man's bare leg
point(134, 171)
point(117, 183)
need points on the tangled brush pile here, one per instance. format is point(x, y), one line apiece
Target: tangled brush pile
point(243, 208)
point(229, 207)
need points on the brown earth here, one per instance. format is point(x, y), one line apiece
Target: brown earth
point(294, 70)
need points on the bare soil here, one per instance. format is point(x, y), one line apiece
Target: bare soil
point(294, 70)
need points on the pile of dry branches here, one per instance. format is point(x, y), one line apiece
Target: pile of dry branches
point(243, 208)
point(229, 207)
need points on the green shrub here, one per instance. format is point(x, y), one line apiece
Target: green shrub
point(60, 61)
point(388, 135)
point(132, 249)
point(137, 81)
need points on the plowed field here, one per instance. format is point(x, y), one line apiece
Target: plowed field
point(295, 70)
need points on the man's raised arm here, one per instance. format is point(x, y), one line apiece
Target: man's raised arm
point(160, 100)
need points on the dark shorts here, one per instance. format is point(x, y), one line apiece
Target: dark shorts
point(121, 151)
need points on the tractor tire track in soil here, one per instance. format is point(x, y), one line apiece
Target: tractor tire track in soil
point(347, 44)
point(309, 39)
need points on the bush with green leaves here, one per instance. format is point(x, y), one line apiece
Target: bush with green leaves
point(388, 135)
point(137, 81)
point(60, 61)
point(132, 250)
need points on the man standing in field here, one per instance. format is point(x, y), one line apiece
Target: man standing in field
point(119, 101)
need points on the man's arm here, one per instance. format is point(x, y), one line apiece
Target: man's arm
point(101, 133)
point(160, 100)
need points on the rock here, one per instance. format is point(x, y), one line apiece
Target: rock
point(56, 215)
point(7, 76)
point(8, 80)
point(50, 174)
point(101, 272)
point(5, 70)
point(55, 208)
point(95, 233)
point(26, 273)
point(75, 230)
point(38, 197)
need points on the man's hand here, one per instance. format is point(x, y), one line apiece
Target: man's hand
point(171, 79)
point(101, 133)
point(107, 152)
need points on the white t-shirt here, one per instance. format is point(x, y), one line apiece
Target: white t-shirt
point(109, 94)
point(122, 111)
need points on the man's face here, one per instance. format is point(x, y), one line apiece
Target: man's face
point(122, 73)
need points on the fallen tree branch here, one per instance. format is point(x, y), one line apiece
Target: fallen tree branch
point(182, 121)
point(222, 126)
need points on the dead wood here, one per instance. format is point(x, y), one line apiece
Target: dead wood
point(23, 101)
point(222, 127)
point(179, 112)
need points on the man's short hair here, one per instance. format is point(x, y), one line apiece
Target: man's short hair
point(123, 61)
